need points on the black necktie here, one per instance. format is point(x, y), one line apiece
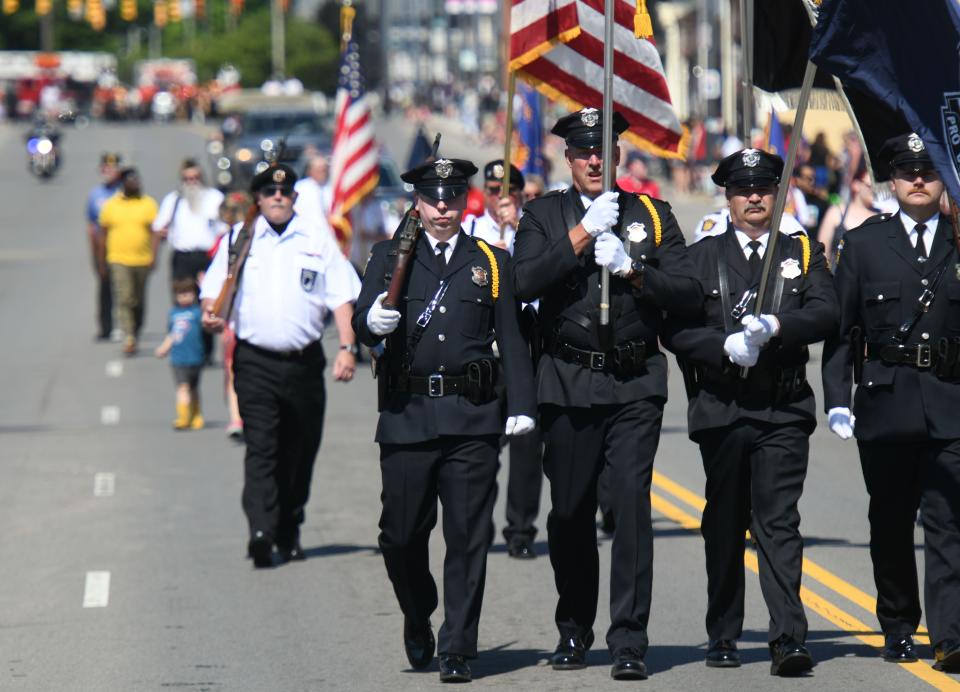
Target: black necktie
point(754, 261)
point(921, 246)
point(442, 256)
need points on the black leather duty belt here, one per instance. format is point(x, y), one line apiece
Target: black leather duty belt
point(308, 351)
point(437, 385)
point(919, 355)
point(627, 357)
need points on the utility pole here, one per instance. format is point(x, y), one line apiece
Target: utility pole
point(278, 38)
point(46, 32)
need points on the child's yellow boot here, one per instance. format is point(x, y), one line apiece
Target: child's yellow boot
point(196, 420)
point(183, 417)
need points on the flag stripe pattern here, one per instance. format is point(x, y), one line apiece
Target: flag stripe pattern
point(557, 46)
point(354, 168)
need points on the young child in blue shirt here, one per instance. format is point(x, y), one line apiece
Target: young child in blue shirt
point(184, 345)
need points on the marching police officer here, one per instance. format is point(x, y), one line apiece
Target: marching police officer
point(497, 227)
point(754, 430)
point(440, 416)
point(293, 276)
point(898, 278)
point(601, 392)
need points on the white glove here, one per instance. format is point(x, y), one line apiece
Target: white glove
point(759, 330)
point(602, 214)
point(608, 252)
point(739, 351)
point(519, 425)
point(380, 320)
point(841, 422)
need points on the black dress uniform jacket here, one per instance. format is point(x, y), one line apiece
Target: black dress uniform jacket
point(808, 312)
point(879, 281)
point(462, 330)
point(568, 286)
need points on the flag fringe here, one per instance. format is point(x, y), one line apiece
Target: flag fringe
point(789, 99)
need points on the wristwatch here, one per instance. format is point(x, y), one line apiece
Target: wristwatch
point(352, 349)
point(637, 267)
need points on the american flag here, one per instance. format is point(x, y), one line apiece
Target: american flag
point(557, 46)
point(354, 170)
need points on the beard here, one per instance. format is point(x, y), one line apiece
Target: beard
point(193, 195)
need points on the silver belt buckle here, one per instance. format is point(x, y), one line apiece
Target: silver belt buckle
point(597, 360)
point(923, 355)
point(435, 385)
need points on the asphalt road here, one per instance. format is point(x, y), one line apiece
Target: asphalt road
point(122, 547)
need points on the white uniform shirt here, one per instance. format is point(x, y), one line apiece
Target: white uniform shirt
point(289, 284)
point(313, 203)
point(189, 230)
point(911, 226)
point(745, 241)
point(487, 229)
point(716, 223)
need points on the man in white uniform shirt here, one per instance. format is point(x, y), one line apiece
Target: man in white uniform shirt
point(189, 218)
point(313, 193)
point(498, 224)
point(294, 275)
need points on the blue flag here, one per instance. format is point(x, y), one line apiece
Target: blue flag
point(776, 143)
point(906, 56)
point(527, 153)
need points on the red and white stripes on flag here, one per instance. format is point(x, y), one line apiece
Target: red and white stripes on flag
point(557, 46)
point(354, 166)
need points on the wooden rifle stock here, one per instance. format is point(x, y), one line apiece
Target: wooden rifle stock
point(409, 235)
point(224, 302)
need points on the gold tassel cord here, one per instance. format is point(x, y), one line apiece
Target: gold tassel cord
point(657, 225)
point(642, 23)
point(494, 269)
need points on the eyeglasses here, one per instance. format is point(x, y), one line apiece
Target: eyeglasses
point(272, 190)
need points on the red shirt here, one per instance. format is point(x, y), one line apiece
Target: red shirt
point(647, 187)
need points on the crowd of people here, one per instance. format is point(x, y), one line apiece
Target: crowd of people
point(541, 319)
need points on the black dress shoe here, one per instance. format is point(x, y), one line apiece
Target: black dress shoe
point(418, 642)
point(571, 652)
point(628, 665)
point(947, 656)
point(521, 547)
point(899, 649)
point(722, 653)
point(260, 548)
point(454, 668)
point(790, 657)
point(291, 552)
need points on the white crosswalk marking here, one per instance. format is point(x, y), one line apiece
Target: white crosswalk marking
point(114, 368)
point(110, 415)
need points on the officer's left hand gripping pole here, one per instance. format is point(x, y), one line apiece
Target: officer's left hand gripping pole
point(771, 252)
point(606, 334)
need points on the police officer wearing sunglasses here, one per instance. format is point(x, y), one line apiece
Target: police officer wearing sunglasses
point(753, 428)
point(293, 277)
point(440, 415)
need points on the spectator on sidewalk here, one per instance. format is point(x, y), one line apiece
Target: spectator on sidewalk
point(184, 345)
point(107, 188)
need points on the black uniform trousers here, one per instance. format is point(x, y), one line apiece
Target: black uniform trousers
point(187, 264)
point(755, 473)
point(282, 402)
point(524, 483)
point(104, 306)
point(462, 472)
point(580, 442)
point(900, 477)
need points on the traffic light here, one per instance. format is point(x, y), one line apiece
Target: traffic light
point(10, 6)
point(128, 10)
point(160, 13)
point(96, 15)
point(43, 7)
point(173, 10)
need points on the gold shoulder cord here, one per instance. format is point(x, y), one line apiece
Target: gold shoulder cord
point(494, 269)
point(805, 243)
point(657, 226)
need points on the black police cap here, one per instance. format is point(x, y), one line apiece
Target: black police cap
point(748, 168)
point(493, 173)
point(278, 174)
point(441, 179)
point(905, 151)
point(585, 127)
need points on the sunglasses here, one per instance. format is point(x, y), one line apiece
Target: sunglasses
point(272, 190)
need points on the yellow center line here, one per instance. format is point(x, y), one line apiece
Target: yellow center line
point(814, 602)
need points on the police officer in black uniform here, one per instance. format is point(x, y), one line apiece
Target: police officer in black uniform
point(601, 392)
point(754, 431)
point(898, 280)
point(441, 419)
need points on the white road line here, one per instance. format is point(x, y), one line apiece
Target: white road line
point(103, 484)
point(110, 415)
point(96, 590)
point(114, 368)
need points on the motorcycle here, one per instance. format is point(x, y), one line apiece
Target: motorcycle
point(43, 154)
